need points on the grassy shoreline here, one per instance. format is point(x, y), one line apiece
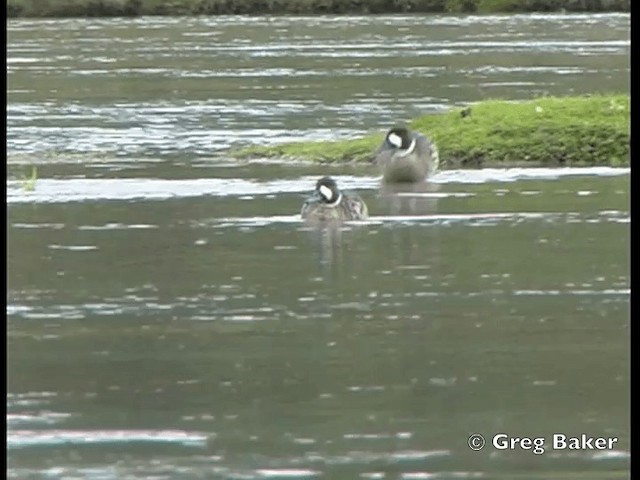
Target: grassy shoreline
point(119, 8)
point(548, 131)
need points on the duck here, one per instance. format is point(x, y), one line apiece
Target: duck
point(406, 156)
point(328, 203)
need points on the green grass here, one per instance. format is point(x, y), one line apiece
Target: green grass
point(119, 8)
point(548, 131)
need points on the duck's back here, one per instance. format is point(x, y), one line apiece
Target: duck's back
point(399, 166)
point(354, 207)
point(351, 207)
point(429, 152)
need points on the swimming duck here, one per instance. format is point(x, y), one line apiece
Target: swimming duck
point(329, 203)
point(406, 156)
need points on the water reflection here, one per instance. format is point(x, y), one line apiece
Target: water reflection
point(410, 198)
point(335, 247)
point(327, 244)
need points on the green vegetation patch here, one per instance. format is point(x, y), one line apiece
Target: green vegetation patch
point(506, 6)
point(548, 131)
point(117, 8)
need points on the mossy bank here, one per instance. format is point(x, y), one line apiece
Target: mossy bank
point(110, 8)
point(549, 131)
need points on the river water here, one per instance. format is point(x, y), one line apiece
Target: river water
point(169, 316)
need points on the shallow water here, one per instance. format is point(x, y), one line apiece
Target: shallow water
point(170, 316)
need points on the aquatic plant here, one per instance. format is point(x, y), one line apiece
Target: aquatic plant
point(29, 182)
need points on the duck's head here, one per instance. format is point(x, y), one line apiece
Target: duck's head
point(400, 138)
point(327, 190)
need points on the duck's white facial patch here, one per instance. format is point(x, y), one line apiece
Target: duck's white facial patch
point(395, 140)
point(410, 149)
point(326, 193)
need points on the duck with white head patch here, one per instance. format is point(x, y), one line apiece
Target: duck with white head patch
point(328, 203)
point(406, 156)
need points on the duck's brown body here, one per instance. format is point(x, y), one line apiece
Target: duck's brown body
point(406, 157)
point(328, 203)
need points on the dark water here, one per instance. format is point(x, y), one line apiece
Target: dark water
point(169, 316)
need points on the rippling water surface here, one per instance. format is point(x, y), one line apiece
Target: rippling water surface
point(170, 316)
point(190, 87)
